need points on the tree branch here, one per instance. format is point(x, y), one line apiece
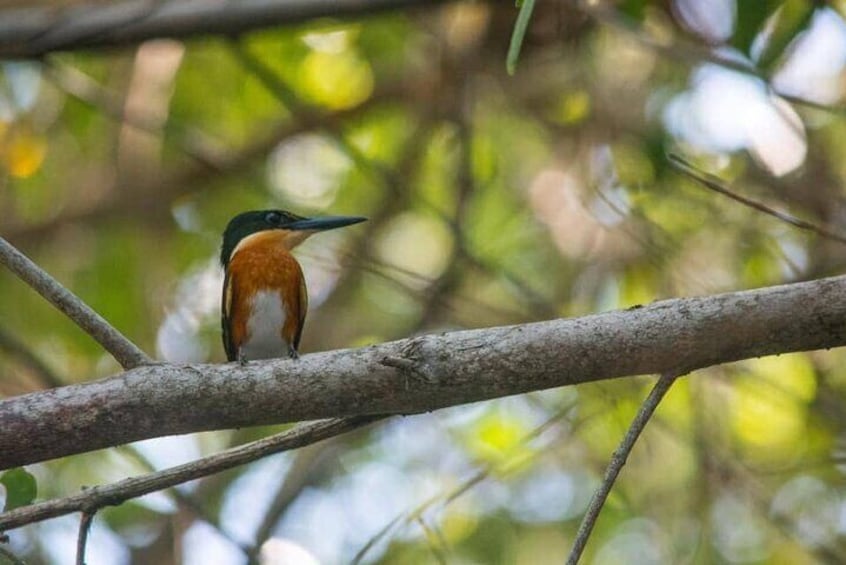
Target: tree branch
point(124, 351)
point(425, 372)
point(92, 499)
point(82, 537)
point(33, 32)
point(618, 459)
point(715, 184)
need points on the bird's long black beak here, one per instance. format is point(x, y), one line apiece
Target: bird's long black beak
point(324, 223)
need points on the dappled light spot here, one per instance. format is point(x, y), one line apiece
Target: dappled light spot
point(23, 150)
point(417, 243)
point(713, 20)
point(280, 551)
point(814, 68)
point(726, 111)
point(769, 421)
point(182, 337)
point(307, 170)
point(337, 80)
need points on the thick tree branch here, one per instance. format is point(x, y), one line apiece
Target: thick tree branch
point(33, 32)
point(425, 372)
point(124, 351)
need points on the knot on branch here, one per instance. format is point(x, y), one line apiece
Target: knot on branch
point(414, 360)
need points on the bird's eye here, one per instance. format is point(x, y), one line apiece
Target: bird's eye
point(273, 218)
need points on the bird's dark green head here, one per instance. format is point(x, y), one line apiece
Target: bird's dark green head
point(247, 223)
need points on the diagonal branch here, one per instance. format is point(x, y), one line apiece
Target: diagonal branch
point(714, 183)
point(615, 465)
point(124, 351)
point(425, 372)
point(92, 499)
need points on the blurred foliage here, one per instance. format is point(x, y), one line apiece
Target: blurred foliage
point(492, 200)
point(20, 487)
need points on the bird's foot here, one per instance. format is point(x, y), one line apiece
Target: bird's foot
point(242, 359)
point(293, 354)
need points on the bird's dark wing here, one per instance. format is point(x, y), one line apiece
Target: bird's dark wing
point(227, 300)
point(302, 310)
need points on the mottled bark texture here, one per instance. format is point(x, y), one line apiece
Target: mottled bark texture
point(423, 373)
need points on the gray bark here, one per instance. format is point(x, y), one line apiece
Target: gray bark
point(35, 31)
point(423, 373)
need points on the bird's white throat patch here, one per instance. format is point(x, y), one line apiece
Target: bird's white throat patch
point(264, 327)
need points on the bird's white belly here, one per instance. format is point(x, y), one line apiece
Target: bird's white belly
point(264, 328)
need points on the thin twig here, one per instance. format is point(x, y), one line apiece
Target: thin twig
point(308, 468)
point(188, 502)
point(85, 521)
point(713, 183)
point(435, 540)
point(13, 559)
point(124, 351)
point(445, 499)
point(113, 494)
point(618, 459)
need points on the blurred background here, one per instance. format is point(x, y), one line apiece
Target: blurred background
point(493, 199)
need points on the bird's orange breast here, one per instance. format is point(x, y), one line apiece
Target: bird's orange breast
point(262, 262)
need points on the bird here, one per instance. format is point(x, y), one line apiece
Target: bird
point(264, 302)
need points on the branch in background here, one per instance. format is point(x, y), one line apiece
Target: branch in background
point(424, 373)
point(691, 52)
point(306, 112)
point(92, 499)
point(309, 467)
point(82, 87)
point(190, 503)
point(185, 181)
point(8, 555)
point(16, 348)
point(124, 351)
point(618, 459)
point(713, 183)
point(445, 499)
point(33, 32)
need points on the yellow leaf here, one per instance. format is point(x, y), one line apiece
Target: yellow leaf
point(572, 108)
point(24, 152)
point(767, 420)
point(337, 80)
point(794, 374)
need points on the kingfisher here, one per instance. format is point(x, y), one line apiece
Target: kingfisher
point(264, 301)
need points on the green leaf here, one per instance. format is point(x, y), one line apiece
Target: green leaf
point(793, 18)
point(634, 9)
point(523, 18)
point(751, 15)
point(21, 488)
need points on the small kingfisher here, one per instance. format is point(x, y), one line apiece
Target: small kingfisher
point(264, 293)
